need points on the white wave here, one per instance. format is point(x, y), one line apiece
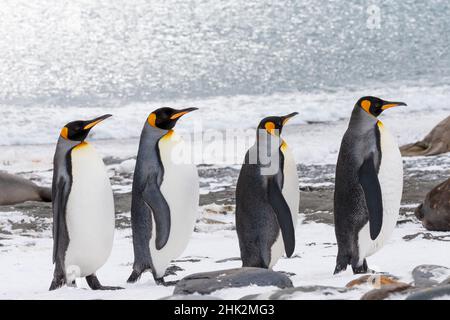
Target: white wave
point(41, 124)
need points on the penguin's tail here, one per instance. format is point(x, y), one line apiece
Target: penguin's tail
point(45, 194)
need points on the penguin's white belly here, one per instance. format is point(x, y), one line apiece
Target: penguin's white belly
point(292, 196)
point(180, 188)
point(89, 214)
point(390, 177)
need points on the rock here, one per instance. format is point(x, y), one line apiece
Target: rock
point(427, 236)
point(126, 166)
point(445, 282)
point(172, 270)
point(434, 212)
point(375, 280)
point(385, 291)
point(296, 293)
point(228, 260)
point(442, 292)
point(436, 142)
point(215, 208)
point(190, 297)
point(326, 217)
point(428, 275)
point(207, 282)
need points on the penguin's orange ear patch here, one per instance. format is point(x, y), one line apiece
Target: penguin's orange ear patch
point(152, 119)
point(65, 133)
point(365, 104)
point(270, 127)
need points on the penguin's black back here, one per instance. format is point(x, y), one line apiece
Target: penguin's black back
point(256, 223)
point(350, 208)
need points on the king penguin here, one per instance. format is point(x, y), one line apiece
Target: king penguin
point(83, 208)
point(369, 184)
point(165, 196)
point(267, 197)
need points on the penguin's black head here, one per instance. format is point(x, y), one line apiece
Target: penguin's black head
point(78, 130)
point(274, 125)
point(375, 106)
point(166, 118)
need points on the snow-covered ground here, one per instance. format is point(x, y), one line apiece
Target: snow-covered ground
point(27, 269)
point(25, 256)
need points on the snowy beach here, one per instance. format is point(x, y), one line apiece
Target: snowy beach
point(25, 229)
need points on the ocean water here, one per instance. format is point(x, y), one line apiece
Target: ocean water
point(237, 60)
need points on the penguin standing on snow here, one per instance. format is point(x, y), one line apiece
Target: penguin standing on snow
point(83, 208)
point(165, 196)
point(369, 184)
point(267, 197)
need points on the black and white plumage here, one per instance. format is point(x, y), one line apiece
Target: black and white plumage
point(369, 184)
point(165, 196)
point(83, 208)
point(267, 200)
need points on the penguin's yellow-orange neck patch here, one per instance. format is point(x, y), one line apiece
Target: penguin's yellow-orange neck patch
point(380, 124)
point(283, 146)
point(152, 120)
point(365, 104)
point(168, 135)
point(65, 133)
point(82, 144)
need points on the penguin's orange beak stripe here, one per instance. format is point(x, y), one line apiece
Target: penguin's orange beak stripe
point(177, 115)
point(92, 124)
point(392, 105)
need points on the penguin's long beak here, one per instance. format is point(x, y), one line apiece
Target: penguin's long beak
point(286, 118)
point(91, 123)
point(181, 113)
point(390, 104)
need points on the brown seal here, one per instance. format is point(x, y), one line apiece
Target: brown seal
point(436, 142)
point(14, 189)
point(434, 212)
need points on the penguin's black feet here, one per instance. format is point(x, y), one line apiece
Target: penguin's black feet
point(339, 268)
point(342, 261)
point(134, 276)
point(58, 282)
point(362, 268)
point(162, 282)
point(94, 284)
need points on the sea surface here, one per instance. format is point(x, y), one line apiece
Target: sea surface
point(237, 60)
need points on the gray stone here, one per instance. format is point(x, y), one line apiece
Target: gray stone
point(286, 294)
point(445, 282)
point(228, 260)
point(207, 282)
point(431, 293)
point(428, 275)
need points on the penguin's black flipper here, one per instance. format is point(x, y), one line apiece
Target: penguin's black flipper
point(368, 178)
point(61, 190)
point(283, 214)
point(160, 210)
